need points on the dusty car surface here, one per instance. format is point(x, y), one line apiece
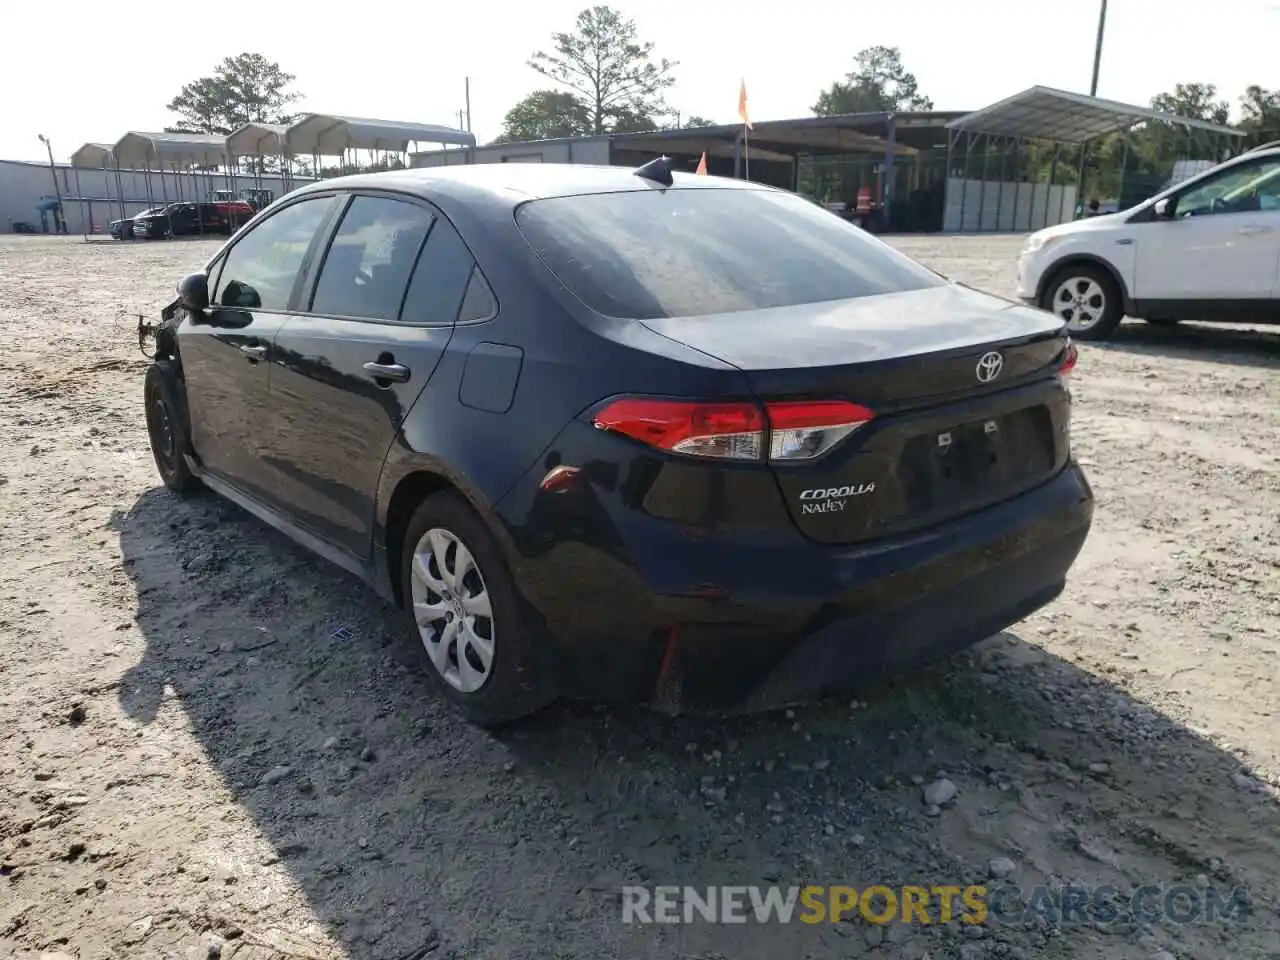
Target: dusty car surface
point(627, 434)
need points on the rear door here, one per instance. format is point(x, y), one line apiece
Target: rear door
point(378, 316)
point(212, 219)
point(226, 355)
point(184, 219)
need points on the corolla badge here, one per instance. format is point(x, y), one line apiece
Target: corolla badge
point(832, 499)
point(989, 366)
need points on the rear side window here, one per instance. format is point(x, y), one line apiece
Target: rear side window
point(477, 302)
point(440, 280)
point(260, 270)
point(366, 270)
point(649, 254)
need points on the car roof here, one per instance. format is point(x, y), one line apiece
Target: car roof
point(515, 183)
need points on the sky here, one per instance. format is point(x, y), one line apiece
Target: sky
point(409, 60)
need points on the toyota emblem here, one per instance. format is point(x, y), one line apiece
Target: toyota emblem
point(989, 366)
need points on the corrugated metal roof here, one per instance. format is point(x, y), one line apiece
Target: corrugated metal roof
point(1045, 113)
point(94, 156)
point(330, 135)
point(138, 150)
point(257, 140)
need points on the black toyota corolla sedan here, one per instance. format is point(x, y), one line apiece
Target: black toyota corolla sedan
point(625, 435)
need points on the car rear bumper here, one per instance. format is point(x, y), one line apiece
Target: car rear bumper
point(954, 609)
point(725, 625)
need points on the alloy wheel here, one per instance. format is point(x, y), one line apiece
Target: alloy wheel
point(452, 610)
point(1081, 302)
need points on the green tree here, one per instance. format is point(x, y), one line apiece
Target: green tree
point(602, 63)
point(545, 114)
point(1155, 147)
point(200, 107)
point(247, 88)
point(628, 121)
point(1199, 101)
point(878, 82)
point(1260, 114)
point(697, 121)
point(1133, 164)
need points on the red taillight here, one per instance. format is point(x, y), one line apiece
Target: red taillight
point(732, 431)
point(1068, 360)
point(787, 430)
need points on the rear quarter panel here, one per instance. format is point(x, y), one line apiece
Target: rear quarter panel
point(568, 362)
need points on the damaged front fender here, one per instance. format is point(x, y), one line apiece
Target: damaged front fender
point(163, 334)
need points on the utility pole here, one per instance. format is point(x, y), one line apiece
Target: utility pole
point(59, 221)
point(1097, 50)
point(467, 81)
point(1093, 92)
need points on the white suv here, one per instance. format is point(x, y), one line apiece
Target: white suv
point(1207, 249)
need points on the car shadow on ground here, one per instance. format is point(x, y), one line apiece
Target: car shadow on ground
point(412, 834)
point(1237, 345)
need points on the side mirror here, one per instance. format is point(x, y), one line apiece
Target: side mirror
point(193, 293)
point(1163, 209)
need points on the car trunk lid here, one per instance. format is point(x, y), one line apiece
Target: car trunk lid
point(967, 408)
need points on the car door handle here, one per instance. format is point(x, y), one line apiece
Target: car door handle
point(253, 352)
point(1253, 229)
point(397, 372)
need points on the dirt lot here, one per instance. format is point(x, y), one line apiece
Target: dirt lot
point(191, 763)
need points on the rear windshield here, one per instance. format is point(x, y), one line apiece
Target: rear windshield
point(649, 254)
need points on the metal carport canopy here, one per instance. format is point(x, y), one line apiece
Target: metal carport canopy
point(137, 150)
point(1045, 113)
point(257, 140)
point(94, 156)
point(329, 136)
point(842, 133)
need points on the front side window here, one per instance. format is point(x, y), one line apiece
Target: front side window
point(259, 272)
point(1247, 188)
point(648, 254)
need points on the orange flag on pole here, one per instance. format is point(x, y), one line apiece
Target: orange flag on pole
point(742, 104)
point(702, 165)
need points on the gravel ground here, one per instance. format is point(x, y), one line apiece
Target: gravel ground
point(193, 764)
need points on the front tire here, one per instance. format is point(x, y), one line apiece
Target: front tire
point(468, 616)
point(1086, 298)
point(164, 394)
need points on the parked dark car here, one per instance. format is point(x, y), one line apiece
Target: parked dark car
point(191, 219)
point(702, 444)
point(123, 229)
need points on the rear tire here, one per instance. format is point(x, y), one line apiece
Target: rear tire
point(1086, 298)
point(468, 617)
point(164, 395)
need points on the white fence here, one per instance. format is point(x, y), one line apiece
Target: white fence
point(1001, 207)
